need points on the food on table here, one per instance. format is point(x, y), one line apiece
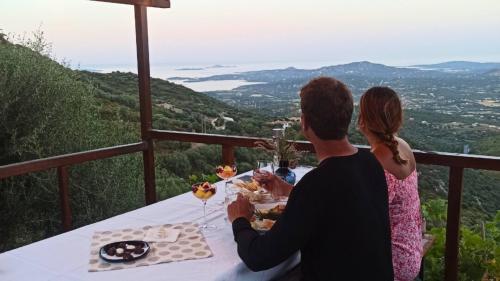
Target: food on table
point(124, 251)
point(255, 196)
point(271, 214)
point(111, 251)
point(264, 219)
point(264, 224)
point(248, 185)
point(138, 251)
point(127, 256)
point(204, 190)
point(119, 251)
point(225, 172)
point(252, 190)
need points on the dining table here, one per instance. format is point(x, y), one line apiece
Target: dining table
point(66, 256)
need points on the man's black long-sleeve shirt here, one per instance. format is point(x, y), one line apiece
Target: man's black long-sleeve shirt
point(337, 216)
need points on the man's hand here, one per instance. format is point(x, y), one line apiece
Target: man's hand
point(241, 208)
point(272, 183)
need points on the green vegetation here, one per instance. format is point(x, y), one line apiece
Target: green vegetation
point(479, 246)
point(175, 107)
point(47, 111)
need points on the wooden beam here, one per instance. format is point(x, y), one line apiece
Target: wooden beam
point(143, 70)
point(227, 154)
point(204, 138)
point(145, 3)
point(145, 104)
point(468, 161)
point(68, 159)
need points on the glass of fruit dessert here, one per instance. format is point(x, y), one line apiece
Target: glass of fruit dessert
point(226, 172)
point(204, 191)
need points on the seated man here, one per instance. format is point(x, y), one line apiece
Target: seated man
point(337, 215)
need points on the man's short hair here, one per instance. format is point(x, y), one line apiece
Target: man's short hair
point(327, 106)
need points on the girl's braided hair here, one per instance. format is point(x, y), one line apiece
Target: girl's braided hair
point(381, 113)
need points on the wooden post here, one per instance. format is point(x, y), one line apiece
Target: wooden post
point(141, 33)
point(227, 154)
point(453, 223)
point(141, 37)
point(62, 175)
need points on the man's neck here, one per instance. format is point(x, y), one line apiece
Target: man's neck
point(332, 148)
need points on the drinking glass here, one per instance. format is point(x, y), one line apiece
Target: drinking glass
point(225, 172)
point(231, 195)
point(265, 165)
point(264, 168)
point(204, 191)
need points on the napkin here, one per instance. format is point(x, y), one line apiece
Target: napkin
point(162, 234)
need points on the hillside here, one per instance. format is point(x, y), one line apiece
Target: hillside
point(461, 66)
point(363, 68)
point(175, 107)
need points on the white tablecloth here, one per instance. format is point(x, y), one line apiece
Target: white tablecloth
point(65, 256)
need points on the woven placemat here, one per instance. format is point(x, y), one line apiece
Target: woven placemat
point(190, 245)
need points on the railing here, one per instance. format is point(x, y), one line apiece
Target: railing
point(456, 162)
point(62, 163)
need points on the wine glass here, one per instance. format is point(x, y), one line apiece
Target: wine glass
point(204, 191)
point(264, 169)
point(226, 172)
point(265, 165)
point(231, 195)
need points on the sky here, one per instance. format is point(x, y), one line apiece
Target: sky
point(201, 32)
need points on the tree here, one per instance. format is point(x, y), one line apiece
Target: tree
point(46, 110)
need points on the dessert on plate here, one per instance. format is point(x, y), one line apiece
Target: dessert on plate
point(264, 219)
point(124, 251)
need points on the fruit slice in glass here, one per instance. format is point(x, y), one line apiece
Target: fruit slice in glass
point(225, 171)
point(204, 191)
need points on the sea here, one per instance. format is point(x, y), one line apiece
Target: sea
point(176, 73)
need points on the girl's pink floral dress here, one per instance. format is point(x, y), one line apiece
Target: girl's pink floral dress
point(406, 224)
